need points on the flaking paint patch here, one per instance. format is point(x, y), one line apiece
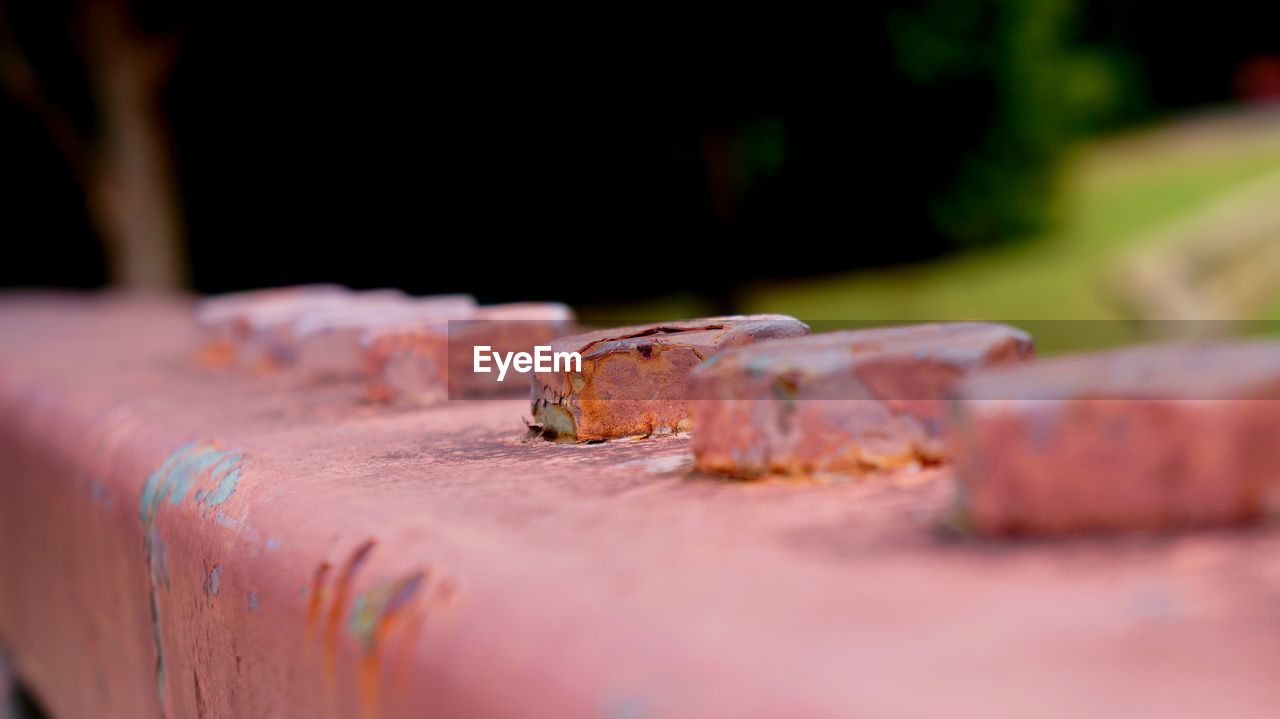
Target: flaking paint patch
point(215, 580)
point(173, 479)
point(187, 472)
point(254, 605)
point(227, 474)
point(187, 465)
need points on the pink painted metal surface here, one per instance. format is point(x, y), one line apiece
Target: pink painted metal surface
point(180, 540)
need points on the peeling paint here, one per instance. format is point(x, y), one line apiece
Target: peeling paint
point(173, 479)
point(202, 461)
point(187, 465)
point(228, 475)
point(214, 582)
point(254, 606)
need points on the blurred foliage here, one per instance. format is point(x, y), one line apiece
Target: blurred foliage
point(918, 129)
point(1118, 193)
point(1014, 88)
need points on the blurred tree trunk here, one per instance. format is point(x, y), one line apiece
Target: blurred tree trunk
point(125, 164)
point(131, 190)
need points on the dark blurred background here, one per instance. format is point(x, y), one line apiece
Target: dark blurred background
point(591, 160)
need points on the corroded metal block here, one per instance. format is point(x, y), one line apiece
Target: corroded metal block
point(508, 328)
point(275, 339)
point(841, 401)
point(225, 322)
point(315, 330)
point(328, 343)
point(407, 363)
point(1149, 438)
point(634, 380)
point(426, 361)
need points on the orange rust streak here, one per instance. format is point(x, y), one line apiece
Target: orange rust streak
point(216, 354)
point(316, 600)
point(404, 651)
point(341, 591)
point(368, 675)
point(398, 610)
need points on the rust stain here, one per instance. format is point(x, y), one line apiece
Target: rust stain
point(386, 620)
point(216, 354)
point(341, 591)
point(633, 379)
point(315, 602)
point(380, 612)
point(403, 652)
point(442, 595)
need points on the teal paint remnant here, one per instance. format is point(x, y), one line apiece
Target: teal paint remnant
point(369, 608)
point(227, 473)
point(159, 560)
point(206, 460)
point(192, 463)
point(156, 486)
point(188, 465)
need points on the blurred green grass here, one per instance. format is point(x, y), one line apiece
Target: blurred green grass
point(1117, 193)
